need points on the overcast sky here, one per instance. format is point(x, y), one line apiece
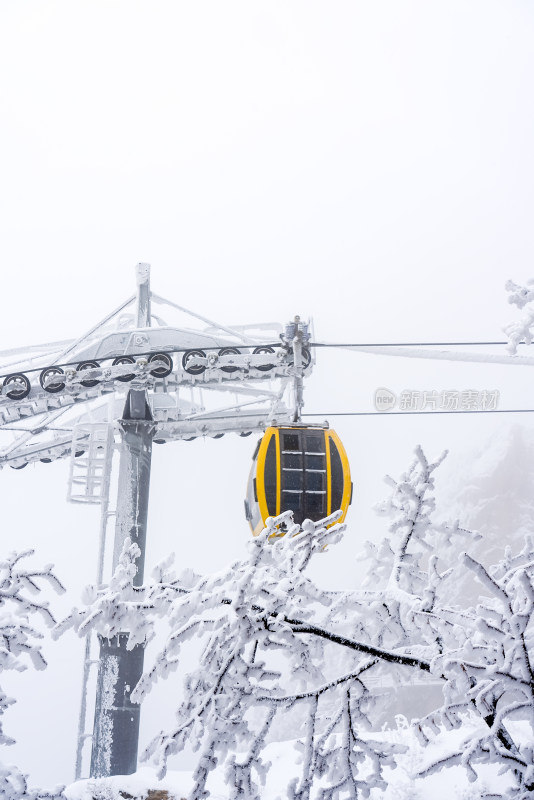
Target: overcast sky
point(368, 164)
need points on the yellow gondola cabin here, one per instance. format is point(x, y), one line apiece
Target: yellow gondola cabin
point(298, 468)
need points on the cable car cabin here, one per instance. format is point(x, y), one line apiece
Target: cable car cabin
point(301, 469)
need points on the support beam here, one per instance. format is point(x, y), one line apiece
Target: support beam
point(295, 334)
point(142, 274)
point(116, 725)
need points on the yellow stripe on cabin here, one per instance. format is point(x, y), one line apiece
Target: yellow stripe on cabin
point(328, 475)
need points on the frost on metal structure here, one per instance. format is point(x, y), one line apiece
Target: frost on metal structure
point(202, 378)
point(120, 718)
point(90, 463)
point(195, 377)
point(106, 692)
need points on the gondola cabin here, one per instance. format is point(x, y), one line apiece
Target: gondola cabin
point(301, 469)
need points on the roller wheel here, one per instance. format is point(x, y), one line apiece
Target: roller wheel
point(188, 356)
point(261, 351)
point(165, 369)
point(21, 466)
point(306, 358)
point(124, 360)
point(20, 386)
point(52, 386)
point(229, 351)
point(88, 365)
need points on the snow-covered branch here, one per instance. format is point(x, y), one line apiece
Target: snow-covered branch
point(21, 642)
point(522, 330)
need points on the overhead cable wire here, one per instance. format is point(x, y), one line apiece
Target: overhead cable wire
point(406, 344)
point(442, 355)
point(207, 417)
point(412, 413)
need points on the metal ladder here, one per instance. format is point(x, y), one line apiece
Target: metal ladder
point(91, 453)
point(89, 482)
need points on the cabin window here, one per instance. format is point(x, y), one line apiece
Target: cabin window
point(315, 506)
point(293, 479)
point(292, 460)
point(290, 441)
point(292, 501)
point(315, 481)
point(315, 444)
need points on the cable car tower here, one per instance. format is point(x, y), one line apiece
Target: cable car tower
point(136, 379)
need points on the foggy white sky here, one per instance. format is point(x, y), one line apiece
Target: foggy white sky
point(368, 164)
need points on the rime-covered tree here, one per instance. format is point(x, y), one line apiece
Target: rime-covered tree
point(490, 674)
point(276, 644)
point(483, 655)
point(21, 617)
